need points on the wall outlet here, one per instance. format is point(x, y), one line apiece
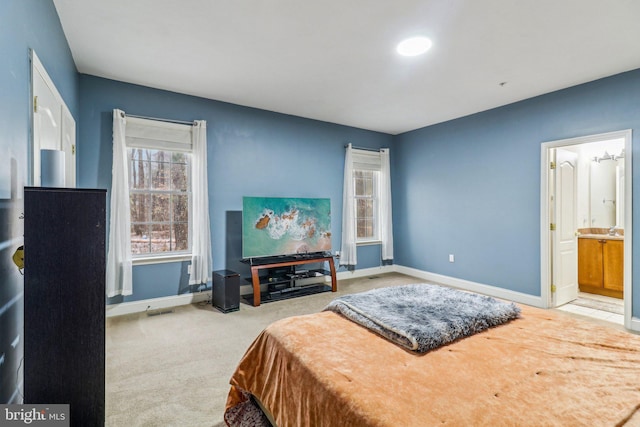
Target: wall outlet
point(451, 258)
point(189, 269)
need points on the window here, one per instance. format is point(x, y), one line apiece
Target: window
point(366, 185)
point(159, 168)
point(366, 204)
point(159, 194)
point(160, 200)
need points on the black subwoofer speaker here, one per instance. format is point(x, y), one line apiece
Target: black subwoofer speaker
point(226, 290)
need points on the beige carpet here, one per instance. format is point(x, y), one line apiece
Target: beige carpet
point(173, 369)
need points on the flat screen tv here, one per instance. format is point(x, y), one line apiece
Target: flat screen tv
point(274, 226)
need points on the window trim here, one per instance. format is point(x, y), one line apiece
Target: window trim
point(368, 242)
point(159, 259)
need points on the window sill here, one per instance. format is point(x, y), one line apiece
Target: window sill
point(369, 242)
point(161, 259)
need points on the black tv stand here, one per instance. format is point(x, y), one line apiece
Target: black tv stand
point(286, 258)
point(288, 288)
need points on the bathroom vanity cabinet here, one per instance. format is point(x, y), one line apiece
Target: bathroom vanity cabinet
point(601, 265)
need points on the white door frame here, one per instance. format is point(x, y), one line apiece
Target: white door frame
point(545, 220)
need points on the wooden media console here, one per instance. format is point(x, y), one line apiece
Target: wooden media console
point(288, 281)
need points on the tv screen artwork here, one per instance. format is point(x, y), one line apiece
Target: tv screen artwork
point(283, 226)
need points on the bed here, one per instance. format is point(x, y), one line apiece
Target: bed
point(543, 368)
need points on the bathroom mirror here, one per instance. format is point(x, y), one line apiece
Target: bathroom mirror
point(606, 186)
point(599, 183)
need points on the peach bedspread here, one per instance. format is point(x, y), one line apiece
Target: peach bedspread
point(544, 369)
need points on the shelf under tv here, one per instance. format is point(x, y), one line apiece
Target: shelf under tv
point(290, 285)
point(287, 293)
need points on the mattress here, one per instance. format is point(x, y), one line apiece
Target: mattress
point(543, 369)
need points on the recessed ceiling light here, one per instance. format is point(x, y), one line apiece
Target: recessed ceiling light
point(414, 46)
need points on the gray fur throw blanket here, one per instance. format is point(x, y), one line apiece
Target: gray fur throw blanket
point(421, 317)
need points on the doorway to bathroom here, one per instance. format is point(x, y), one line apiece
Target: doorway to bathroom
point(586, 221)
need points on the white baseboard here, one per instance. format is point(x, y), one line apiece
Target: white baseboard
point(493, 291)
point(467, 285)
point(173, 301)
point(178, 300)
point(364, 272)
point(156, 303)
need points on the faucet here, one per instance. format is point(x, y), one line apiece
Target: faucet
point(613, 230)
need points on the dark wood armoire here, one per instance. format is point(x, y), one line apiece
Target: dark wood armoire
point(64, 300)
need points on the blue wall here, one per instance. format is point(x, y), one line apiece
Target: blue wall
point(24, 25)
point(471, 186)
point(468, 187)
point(251, 152)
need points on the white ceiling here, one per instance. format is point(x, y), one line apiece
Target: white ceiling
point(335, 60)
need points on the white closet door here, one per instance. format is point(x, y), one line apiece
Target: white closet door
point(69, 148)
point(47, 123)
point(54, 128)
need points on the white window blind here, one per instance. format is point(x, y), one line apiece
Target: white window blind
point(156, 134)
point(366, 160)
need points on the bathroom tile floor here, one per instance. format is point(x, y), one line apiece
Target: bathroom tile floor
point(598, 307)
